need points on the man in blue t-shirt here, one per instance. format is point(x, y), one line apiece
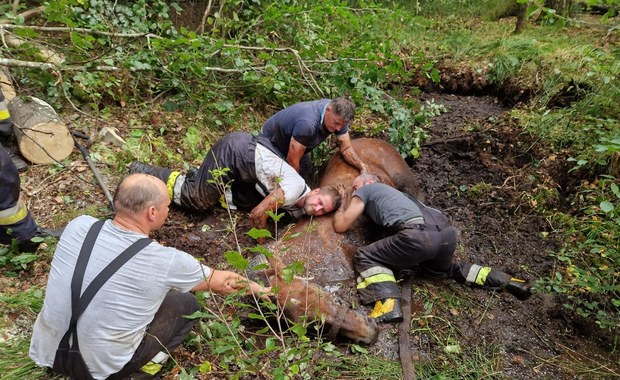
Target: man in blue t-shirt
point(296, 130)
point(419, 235)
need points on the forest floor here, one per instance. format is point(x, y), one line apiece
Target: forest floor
point(478, 169)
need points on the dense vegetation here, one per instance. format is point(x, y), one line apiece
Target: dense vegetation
point(228, 67)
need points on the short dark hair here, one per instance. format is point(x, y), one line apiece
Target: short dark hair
point(343, 107)
point(333, 194)
point(135, 196)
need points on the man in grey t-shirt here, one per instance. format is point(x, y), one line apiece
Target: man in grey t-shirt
point(142, 306)
point(419, 235)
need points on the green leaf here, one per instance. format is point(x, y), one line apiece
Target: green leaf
point(607, 206)
point(256, 316)
point(356, 349)
point(452, 349)
point(205, 367)
point(299, 330)
point(235, 259)
point(615, 190)
point(262, 250)
point(270, 343)
point(256, 233)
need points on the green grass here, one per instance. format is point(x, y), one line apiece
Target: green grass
point(15, 363)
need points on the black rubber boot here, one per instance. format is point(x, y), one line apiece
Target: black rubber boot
point(20, 164)
point(45, 232)
point(519, 288)
point(476, 275)
point(156, 171)
point(387, 311)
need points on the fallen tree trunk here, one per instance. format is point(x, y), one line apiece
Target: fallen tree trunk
point(42, 138)
point(45, 53)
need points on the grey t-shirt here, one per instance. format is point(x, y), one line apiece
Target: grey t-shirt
point(387, 206)
point(113, 325)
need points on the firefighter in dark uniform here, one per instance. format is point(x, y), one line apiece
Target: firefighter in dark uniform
point(252, 176)
point(15, 219)
point(422, 236)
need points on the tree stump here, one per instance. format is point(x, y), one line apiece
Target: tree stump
point(42, 138)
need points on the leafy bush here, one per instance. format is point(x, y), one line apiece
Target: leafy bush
point(12, 259)
point(588, 278)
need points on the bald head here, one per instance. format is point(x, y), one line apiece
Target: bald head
point(138, 192)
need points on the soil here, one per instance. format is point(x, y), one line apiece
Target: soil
point(477, 167)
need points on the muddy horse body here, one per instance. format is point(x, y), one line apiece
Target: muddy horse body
point(327, 256)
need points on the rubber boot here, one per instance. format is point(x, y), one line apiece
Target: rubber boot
point(488, 278)
point(20, 164)
point(387, 311)
point(156, 171)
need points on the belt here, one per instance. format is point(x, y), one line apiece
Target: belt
point(415, 222)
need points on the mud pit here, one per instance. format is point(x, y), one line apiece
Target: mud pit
point(476, 168)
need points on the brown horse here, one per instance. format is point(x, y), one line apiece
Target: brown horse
point(327, 255)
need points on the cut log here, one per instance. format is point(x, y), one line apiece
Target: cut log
point(6, 84)
point(42, 138)
point(45, 53)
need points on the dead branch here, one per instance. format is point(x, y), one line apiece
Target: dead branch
point(46, 53)
point(204, 17)
point(26, 14)
point(81, 30)
point(51, 66)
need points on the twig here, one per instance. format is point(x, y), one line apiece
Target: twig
point(42, 183)
point(83, 30)
point(15, 5)
point(26, 14)
point(204, 17)
point(64, 92)
point(50, 66)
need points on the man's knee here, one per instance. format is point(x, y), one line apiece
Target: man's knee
point(181, 303)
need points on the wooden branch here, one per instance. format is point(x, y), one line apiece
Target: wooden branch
point(50, 66)
point(26, 14)
point(204, 17)
point(47, 54)
point(81, 30)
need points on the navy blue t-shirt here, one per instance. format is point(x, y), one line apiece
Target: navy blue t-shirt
point(303, 121)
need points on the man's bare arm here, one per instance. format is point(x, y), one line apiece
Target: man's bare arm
point(349, 154)
point(273, 201)
point(295, 153)
point(226, 282)
point(344, 218)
